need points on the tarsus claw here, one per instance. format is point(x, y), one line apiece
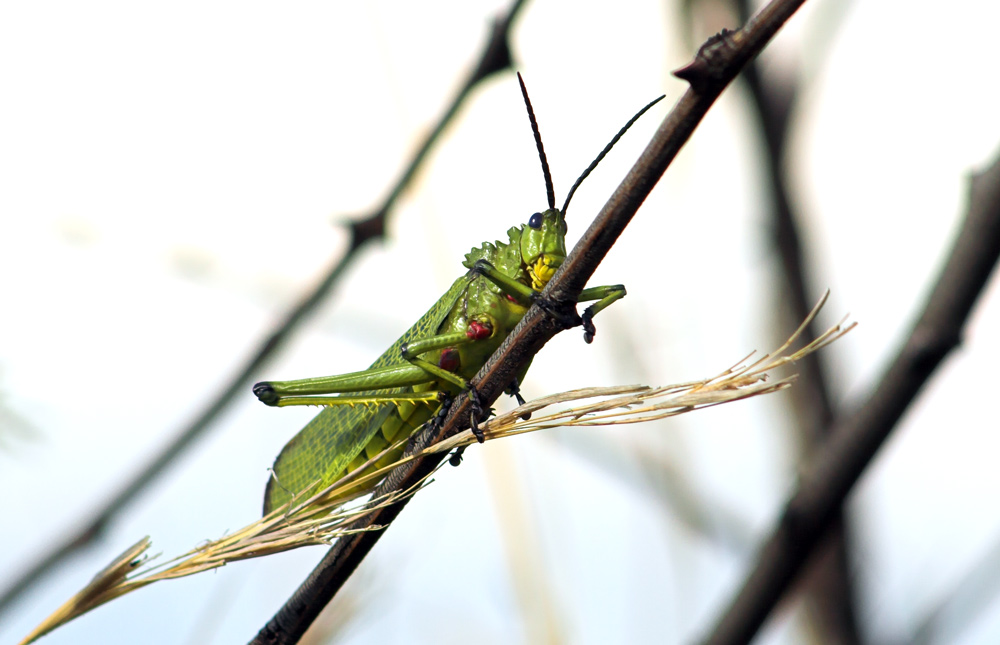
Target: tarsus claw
point(476, 412)
point(265, 392)
point(588, 326)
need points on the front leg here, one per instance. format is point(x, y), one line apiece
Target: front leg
point(604, 296)
point(523, 294)
point(527, 296)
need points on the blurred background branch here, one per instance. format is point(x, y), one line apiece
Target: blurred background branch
point(857, 436)
point(494, 57)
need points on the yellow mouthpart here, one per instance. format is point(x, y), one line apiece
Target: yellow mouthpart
point(541, 272)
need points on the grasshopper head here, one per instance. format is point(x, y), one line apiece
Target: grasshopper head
point(543, 246)
point(543, 239)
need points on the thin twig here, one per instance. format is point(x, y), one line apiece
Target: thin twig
point(855, 439)
point(494, 58)
point(829, 591)
point(717, 63)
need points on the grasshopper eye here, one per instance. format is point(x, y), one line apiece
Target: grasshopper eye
point(563, 226)
point(535, 221)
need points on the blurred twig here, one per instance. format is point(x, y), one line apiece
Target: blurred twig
point(495, 57)
point(830, 591)
point(717, 63)
point(854, 440)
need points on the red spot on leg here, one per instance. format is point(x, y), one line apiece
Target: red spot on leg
point(478, 330)
point(449, 360)
point(512, 298)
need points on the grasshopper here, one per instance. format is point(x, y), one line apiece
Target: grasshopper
point(407, 386)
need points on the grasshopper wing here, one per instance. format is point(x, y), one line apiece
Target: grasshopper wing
point(322, 450)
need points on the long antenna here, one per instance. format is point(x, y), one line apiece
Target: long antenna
point(604, 152)
point(538, 142)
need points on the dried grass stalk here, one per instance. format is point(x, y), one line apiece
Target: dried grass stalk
point(332, 512)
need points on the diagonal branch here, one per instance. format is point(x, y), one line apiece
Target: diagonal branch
point(855, 439)
point(717, 63)
point(495, 57)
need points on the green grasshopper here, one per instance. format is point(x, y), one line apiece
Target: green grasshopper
point(406, 387)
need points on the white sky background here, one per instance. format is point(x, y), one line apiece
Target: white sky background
point(169, 183)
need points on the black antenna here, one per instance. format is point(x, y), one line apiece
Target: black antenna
point(604, 152)
point(538, 142)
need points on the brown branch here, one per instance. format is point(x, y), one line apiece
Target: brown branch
point(717, 63)
point(854, 440)
point(494, 58)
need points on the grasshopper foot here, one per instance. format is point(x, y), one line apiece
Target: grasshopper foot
point(442, 411)
point(265, 392)
point(479, 411)
point(588, 325)
point(567, 321)
point(456, 457)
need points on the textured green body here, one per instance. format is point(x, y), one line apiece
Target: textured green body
point(342, 438)
point(440, 353)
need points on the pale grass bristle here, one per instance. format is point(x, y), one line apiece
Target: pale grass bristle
point(641, 403)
